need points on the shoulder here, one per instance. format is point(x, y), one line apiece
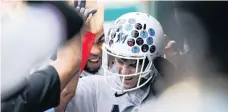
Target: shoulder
point(90, 80)
point(93, 81)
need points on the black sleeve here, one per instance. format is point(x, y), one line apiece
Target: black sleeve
point(41, 93)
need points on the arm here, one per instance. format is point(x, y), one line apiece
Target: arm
point(68, 62)
point(98, 18)
point(85, 99)
point(43, 87)
point(67, 94)
point(42, 91)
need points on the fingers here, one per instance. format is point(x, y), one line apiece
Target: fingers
point(170, 44)
point(85, 13)
point(89, 18)
point(82, 13)
point(91, 13)
point(82, 3)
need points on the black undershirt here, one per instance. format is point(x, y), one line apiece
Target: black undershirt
point(42, 92)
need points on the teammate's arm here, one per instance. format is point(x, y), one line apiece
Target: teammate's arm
point(98, 18)
point(85, 99)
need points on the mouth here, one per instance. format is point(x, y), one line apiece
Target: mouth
point(96, 60)
point(128, 78)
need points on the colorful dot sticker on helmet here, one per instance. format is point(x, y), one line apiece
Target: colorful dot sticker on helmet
point(113, 35)
point(145, 48)
point(135, 49)
point(110, 42)
point(131, 42)
point(139, 41)
point(131, 21)
point(128, 27)
point(135, 33)
point(152, 49)
point(143, 34)
point(119, 28)
point(138, 26)
point(151, 31)
point(149, 40)
point(122, 21)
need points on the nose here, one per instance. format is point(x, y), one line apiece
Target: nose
point(125, 70)
point(96, 50)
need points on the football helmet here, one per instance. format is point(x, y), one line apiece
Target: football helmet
point(134, 36)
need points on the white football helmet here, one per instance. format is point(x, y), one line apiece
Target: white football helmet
point(134, 36)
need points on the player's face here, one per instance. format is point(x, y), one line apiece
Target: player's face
point(94, 60)
point(126, 67)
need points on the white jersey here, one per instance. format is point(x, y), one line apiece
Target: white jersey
point(94, 95)
point(84, 73)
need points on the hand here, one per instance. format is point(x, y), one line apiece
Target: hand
point(97, 21)
point(171, 52)
point(86, 14)
point(94, 22)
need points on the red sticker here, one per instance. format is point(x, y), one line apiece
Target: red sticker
point(138, 26)
point(131, 42)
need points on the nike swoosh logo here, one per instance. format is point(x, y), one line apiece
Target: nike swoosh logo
point(118, 95)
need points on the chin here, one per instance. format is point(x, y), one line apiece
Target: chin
point(128, 86)
point(92, 71)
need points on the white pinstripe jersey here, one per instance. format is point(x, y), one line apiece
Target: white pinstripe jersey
point(94, 95)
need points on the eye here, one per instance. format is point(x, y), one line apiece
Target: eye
point(101, 41)
point(120, 62)
point(133, 65)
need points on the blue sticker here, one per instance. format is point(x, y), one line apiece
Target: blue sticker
point(151, 31)
point(131, 21)
point(149, 40)
point(128, 27)
point(143, 34)
point(135, 49)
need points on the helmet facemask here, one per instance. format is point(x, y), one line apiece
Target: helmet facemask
point(130, 72)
